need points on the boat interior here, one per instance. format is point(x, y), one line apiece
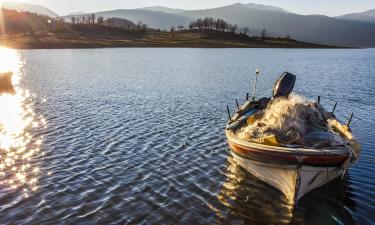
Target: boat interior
point(288, 120)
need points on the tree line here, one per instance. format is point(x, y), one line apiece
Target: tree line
point(87, 19)
point(32, 23)
point(92, 19)
point(209, 23)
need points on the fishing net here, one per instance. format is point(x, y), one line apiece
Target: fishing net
point(288, 119)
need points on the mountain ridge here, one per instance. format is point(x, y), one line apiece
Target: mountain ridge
point(162, 9)
point(366, 16)
point(23, 6)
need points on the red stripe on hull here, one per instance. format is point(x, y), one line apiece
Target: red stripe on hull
point(286, 157)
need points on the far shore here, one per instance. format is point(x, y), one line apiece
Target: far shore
point(179, 39)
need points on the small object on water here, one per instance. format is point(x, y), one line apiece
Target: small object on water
point(6, 85)
point(289, 142)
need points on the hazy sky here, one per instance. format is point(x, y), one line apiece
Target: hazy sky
point(326, 7)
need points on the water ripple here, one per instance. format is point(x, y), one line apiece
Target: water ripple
point(140, 139)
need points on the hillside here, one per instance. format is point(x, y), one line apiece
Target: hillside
point(314, 28)
point(22, 6)
point(22, 22)
point(277, 22)
point(154, 19)
point(30, 30)
point(205, 39)
point(120, 23)
point(367, 16)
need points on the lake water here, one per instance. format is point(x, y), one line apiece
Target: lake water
point(136, 136)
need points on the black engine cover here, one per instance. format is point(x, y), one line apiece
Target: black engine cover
point(284, 85)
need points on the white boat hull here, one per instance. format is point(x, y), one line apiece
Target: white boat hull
point(292, 180)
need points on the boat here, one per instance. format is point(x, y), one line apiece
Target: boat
point(293, 168)
point(6, 85)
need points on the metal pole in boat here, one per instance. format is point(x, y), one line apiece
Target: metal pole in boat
point(334, 107)
point(247, 96)
point(230, 117)
point(350, 120)
point(238, 106)
point(255, 84)
point(319, 99)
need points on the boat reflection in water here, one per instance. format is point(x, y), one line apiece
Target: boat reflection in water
point(255, 202)
point(19, 124)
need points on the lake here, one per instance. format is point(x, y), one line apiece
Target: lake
point(136, 136)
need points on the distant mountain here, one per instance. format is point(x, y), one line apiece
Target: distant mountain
point(21, 6)
point(367, 16)
point(277, 22)
point(248, 5)
point(76, 13)
point(162, 9)
point(261, 7)
point(154, 19)
point(312, 28)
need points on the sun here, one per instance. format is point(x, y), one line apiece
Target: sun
point(10, 62)
point(8, 59)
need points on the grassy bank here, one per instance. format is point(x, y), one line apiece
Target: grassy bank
point(194, 39)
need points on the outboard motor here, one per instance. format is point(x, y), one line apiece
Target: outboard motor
point(284, 85)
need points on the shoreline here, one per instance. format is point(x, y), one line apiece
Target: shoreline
point(152, 40)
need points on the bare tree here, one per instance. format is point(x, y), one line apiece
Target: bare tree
point(233, 28)
point(144, 27)
point(92, 16)
point(180, 27)
point(100, 20)
point(263, 34)
point(199, 23)
point(245, 30)
point(139, 25)
point(83, 19)
point(211, 23)
point(73, 19)
point(206, 23)
point(192, 26)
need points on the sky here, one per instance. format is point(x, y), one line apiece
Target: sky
point(324, 7)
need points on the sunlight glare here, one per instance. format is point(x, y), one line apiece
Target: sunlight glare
point(2, 30)
point(18, 146)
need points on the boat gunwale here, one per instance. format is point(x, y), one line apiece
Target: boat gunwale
point(344, 150)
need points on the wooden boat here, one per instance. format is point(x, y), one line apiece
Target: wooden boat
point(6, 85)
point(293, 169)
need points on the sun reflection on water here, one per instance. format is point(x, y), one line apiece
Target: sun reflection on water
point(19, 148)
